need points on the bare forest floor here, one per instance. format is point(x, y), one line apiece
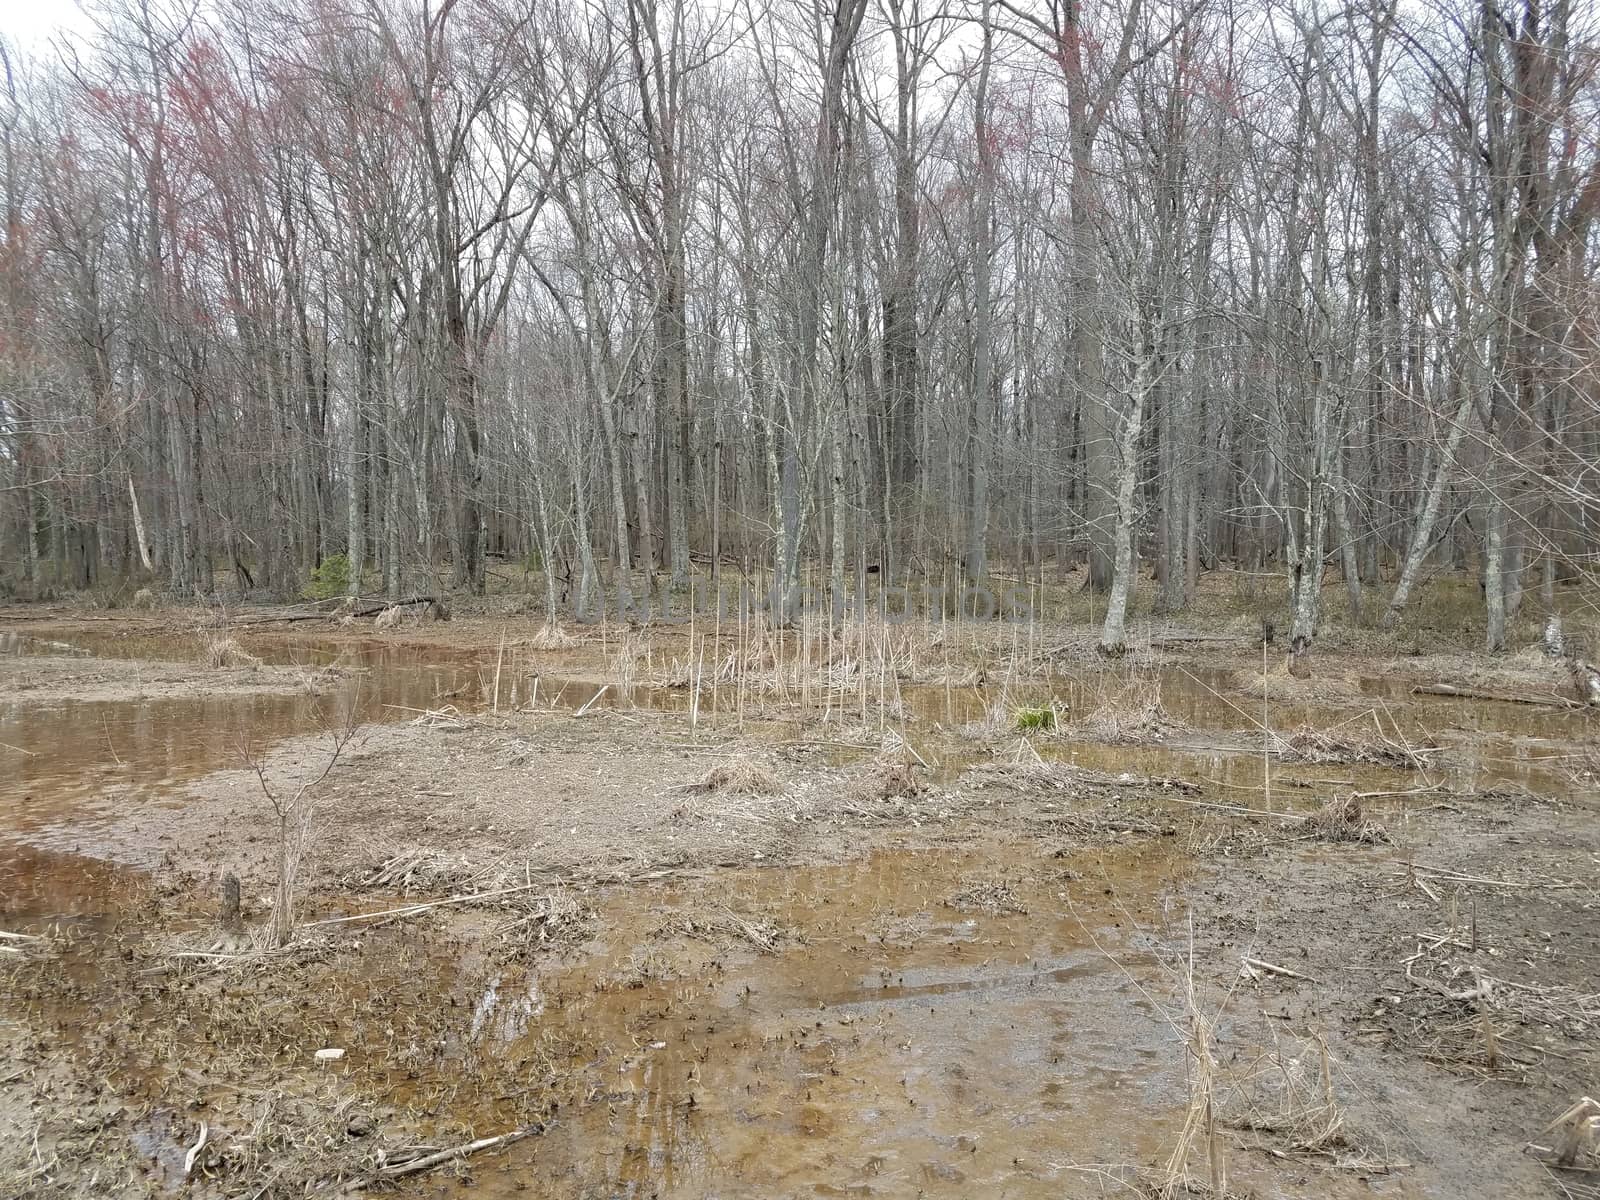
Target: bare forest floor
point(940, 910)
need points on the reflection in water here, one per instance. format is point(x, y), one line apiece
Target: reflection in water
point(505, 1010)
point(67, 763)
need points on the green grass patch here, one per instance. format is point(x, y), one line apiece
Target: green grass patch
point(1036, 718)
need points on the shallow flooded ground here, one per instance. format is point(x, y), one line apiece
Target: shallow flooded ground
point(964, 920)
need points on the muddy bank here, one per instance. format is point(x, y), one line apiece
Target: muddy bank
point(36, 679)
point(449, 800)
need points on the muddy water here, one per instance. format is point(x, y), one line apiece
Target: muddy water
point(897, 1043)
point(69, 763)
point(903, 1046)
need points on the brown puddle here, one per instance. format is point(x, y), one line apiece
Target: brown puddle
point(896, 1043)
point(902, 1045)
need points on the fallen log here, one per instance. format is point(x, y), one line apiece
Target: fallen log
point(300, 612)
point(1466, 693)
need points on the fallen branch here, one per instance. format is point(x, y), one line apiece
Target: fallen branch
point(412, 909)
point(1253, 965)
point(428, 1161)
point(1482, 990)
point(362, 608)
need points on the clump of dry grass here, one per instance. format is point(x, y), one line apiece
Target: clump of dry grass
point(540, 921)
point(1286, 1091)
point(1291, 1096)
point(738, 775)
point(625, 660)
point(552, 637)
point(418, 869)
point(1324, 746)
point(1199, 1137)
point(1340, 819)
point(226, 652)
point(721, 926)
point(992, 896)
point(889, 781)
point(1126, 711)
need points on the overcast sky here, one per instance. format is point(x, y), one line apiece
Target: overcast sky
point(28, 24)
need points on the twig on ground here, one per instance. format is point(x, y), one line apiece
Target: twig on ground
point(428, 1161)
point(1254, 965)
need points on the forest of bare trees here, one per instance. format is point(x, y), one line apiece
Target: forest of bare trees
point(634, 288)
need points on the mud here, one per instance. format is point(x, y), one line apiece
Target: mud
point(984, 979)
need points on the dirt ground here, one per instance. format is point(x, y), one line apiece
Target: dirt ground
point(798, 955)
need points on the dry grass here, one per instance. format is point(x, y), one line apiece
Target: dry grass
point(889, 781)
point(994, 897)
point(1290, 1095)
point(419, 870)
point(222, 652)
point(740, 776)
point(1340, 819)
point(722, 926)
point(1125, 710)
point(281, 1123)
point(630, 654)
point(1310, 745)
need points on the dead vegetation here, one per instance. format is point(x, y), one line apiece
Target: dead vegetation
point(1289, 1095)
point(1340, 818)
point(738, 775)
point(283, 1115)
point(420, 870)
point(1028, 771)
point(552, 637)
point(1309, 745)
point(888, 781)
point(222, 652)
point(1575, 1135)
point(1125, 710)
point(994, 897)
point(1283, 1092)
point(721, 926)
point(1461, 1012)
